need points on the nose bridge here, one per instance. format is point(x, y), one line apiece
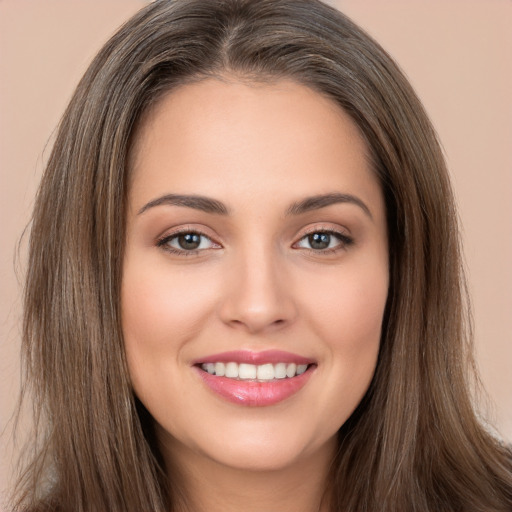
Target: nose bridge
point(257, 297)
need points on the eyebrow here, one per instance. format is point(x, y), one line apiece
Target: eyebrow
point(202, 203)
point(209, 205)
point(321, 201)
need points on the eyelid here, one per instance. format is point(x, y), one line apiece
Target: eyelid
point(341, 234)
point(345, 240)
point(162, 241)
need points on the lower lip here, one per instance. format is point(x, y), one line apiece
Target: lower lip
point(252, 393)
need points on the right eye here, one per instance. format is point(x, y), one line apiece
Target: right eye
point(186, 243)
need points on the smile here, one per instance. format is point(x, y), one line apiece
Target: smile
point(263, 372)
point(255, 378)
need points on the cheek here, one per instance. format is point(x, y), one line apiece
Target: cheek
point(347, 316)
point(352, 323)
point(162, 303)
point(161, 311)
point(349, 307)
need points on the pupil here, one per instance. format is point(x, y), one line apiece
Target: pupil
point(189, 241)
point(319, 240)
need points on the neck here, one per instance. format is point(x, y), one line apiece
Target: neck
point(208, 486)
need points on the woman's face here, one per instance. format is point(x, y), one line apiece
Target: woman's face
point(255, 274)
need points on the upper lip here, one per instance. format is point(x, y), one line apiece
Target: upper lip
point(256, 358)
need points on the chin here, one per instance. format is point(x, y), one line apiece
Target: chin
point(256, 447)
point(264, 456)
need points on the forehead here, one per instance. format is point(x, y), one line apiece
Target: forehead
point(218, 137)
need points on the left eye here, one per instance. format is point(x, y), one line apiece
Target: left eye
point(189, 241)
point(322, 240)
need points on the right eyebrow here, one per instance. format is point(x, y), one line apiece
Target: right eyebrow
point(202, 203)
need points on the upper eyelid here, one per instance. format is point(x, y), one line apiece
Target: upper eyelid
point(317, 228)
point(164, 243)
point(169, 234)
point(324, 228)
point(342, 237)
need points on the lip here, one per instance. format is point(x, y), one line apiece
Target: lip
point(255, 393)
point(257, 358)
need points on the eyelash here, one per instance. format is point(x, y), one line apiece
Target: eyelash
point(344, 242)
point(165, 240)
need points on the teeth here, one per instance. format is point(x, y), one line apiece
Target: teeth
point(209, 367)
point(301, 368)
point(246, 371)
point(220, 369)
point(263, 372)
point(280, 370)
point(231, 370)
point(291, 369)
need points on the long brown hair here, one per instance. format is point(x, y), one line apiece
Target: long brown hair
point(414, 443)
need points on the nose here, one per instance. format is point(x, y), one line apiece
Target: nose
point(259, 293)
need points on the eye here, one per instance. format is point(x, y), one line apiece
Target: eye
point(326, 241)
point(186, 242)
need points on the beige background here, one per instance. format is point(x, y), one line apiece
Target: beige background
point(455, 53)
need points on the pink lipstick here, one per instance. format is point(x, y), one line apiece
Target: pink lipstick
point(255, 378)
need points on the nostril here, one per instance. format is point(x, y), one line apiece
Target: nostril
point(256, 307)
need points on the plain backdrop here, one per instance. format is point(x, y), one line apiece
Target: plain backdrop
point(456, 53)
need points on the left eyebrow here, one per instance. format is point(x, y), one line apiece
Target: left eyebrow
point(321, 201)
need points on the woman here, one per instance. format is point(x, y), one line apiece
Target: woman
point(244, 288)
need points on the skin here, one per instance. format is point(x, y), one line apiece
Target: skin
point(255, 283)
